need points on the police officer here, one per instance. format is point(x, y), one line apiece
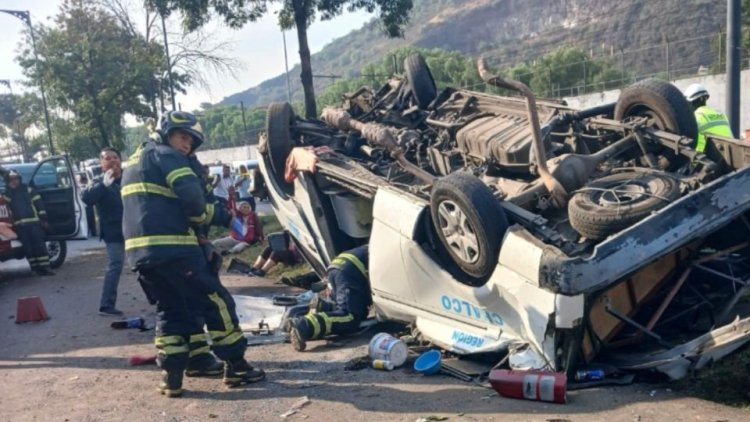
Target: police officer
point(29, 221)
point(352, 296)
point(709, 120)
point(162, 199)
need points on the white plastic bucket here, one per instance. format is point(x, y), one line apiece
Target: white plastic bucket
point(386, 347)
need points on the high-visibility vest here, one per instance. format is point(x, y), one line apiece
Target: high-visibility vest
point(713, 122)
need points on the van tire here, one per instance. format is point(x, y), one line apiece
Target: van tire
point(595, 212)
point(278, 143)
point(661, 101)
point(421, 82)
point(57, 250)
point(470, 224)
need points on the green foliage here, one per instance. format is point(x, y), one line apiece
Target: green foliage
point(18, 113)
point(224, 126)
point(565, 71)
point(96, 70)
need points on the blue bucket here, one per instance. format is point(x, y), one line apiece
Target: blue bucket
point(428, 363)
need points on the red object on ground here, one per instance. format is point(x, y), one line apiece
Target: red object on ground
point(30, 309)
point(141, 360)
point(530, 385)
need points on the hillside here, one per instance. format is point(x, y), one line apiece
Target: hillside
point(512, 31)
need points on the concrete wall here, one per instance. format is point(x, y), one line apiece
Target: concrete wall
point(228, 155)
point(716, 85)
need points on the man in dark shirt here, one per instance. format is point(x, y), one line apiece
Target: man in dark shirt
point(104, 192)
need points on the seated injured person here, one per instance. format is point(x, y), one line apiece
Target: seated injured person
point(287, 254)
point(244, 231)
point(352, 297)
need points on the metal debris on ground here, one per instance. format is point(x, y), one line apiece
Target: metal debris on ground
point(432, 418)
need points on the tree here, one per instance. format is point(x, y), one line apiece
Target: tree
point(394, 15)
point(18, 113)
point(94, 69)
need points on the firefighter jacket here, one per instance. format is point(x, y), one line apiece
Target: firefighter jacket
point(25, 204)
point(353, 263)
point(163, 199)
point(712, 122)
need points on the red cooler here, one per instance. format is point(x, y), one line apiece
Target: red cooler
point(530, 385)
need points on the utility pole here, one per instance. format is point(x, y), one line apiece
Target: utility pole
point(286, 67)
point(169, 61)
point(26, 17)
point(733, 65)
point(244, 123)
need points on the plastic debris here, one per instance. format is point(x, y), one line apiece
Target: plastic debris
point(302, 402)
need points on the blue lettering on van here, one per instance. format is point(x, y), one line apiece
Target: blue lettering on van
point(466, 339)
point(468, 309)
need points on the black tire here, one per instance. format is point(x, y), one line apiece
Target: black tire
point(279, 143)
point(597, 211)
point(421, 82)
point(484, 221)
point(57, 250)
point(662, 102)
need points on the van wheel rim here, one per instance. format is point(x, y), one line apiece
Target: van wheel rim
point(53, 250)
point(458, 233)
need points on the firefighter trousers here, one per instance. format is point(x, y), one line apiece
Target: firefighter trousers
point(187, 295)
point(352, 298)
point(32, 236)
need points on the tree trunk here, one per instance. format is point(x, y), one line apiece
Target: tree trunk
point(300, 20)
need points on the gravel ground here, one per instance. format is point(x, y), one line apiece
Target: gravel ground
point(73, 367)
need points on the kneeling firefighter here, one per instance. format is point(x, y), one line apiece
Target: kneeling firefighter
point(162, 199)
point(352, 297)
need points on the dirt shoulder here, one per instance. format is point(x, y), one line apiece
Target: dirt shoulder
point(73, 368)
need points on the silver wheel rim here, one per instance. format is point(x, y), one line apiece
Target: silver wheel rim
point(624, 194)
point(459, 235)
point(53, 250)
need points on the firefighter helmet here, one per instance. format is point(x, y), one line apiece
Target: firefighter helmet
point(180, 120)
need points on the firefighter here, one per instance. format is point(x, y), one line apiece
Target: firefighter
point(163, 198)
point(29, 221)
point(352, 297)
point(710, 121)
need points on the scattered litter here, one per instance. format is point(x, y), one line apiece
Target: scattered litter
point(212, 416)
point(304, 401)
point(137, 360)
point(432, 418)
point(357, 364)
point(134, 322)
point(73, 378)
point(652, 393)
point(386, 347)
point(530, 385)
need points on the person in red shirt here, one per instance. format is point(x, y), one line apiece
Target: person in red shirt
point(244, 231)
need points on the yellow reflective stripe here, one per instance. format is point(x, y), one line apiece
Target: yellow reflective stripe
point(176, 174)
point(708, 125)
point(330, 320)
point(36, 197)
point(230, 339)
point(171, 345)
point(194, 338)
point(354, 260)
point(224, 312)
point(199, 219)
point(42, 212)
point(27, 220)
point(160, 240)
point(199, 351)
point(316, 326)
point(210, 210)
point(153, 188)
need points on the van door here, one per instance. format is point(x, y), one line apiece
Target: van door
point(53, 179)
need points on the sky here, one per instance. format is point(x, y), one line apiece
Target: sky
point(258, 46)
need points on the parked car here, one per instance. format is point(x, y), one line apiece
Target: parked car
point(54, 180)
point(502, 223)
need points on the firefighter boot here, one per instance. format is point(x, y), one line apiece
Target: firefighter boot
point(171, 383)
point(298, 334)
point(205, 365)
point(241, 372)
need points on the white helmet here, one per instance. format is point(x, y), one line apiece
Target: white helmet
point(695, 91)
